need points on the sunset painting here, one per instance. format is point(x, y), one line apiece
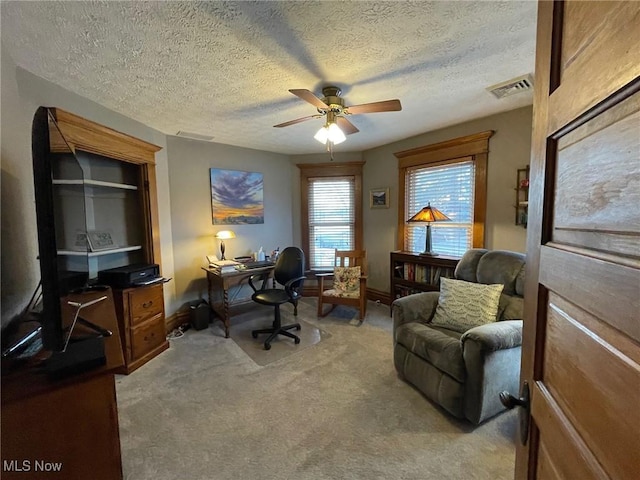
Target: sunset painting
point(236, 197)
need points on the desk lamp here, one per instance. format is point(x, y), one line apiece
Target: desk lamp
point(223, 235)
point(428, 214)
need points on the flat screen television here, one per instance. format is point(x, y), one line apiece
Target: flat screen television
point(61, 224)
point(61, 202)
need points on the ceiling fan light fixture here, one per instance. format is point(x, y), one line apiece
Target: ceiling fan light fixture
point(330, 133)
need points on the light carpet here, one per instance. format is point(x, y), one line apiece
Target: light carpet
point(335, 410)
point(281, 347)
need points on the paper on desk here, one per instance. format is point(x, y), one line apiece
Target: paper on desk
point(223, 263)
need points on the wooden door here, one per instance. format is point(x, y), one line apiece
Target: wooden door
point(581, 351)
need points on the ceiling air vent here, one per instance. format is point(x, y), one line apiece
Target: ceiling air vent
point(513, 86)
point(194, 136)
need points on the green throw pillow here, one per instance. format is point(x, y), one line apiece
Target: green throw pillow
point(464, 305)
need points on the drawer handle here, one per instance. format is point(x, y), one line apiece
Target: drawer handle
point(147, 304)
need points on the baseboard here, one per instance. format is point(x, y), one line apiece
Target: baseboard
point(378, 295)
point(175, 320)
point(311, 291)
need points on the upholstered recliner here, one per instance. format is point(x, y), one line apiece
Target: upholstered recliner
point(464, 371)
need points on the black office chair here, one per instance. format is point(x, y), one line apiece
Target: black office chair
point(289, 271)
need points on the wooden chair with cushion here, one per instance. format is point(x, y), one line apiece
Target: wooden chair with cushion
point(349, 282)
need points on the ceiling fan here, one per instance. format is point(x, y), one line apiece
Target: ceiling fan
point(332, 106)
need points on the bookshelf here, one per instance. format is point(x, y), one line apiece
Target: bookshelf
point(415, 273)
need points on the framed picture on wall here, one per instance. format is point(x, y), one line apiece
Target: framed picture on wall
point(236, 197)
point(379, 197)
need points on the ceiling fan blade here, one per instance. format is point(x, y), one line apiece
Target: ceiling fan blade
point(384, 106)
point(346, 126)
point(297, 120)
point(307, 96)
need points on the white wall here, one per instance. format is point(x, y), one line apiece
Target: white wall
point(193, 231)
point(22, 94)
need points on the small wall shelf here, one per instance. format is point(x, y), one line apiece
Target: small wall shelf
point(522, 196)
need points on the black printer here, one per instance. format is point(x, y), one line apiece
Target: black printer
point(130, 275)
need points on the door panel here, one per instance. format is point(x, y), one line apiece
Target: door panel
point(607, 290)
point(566, 454)
point(590, 379)
point(581, 340)
point(602, 56)
point(595, 206)
point(546, 468)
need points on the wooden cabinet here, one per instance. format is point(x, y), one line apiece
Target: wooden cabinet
point(106, 216)
point(414, 273)
point(522, 196)
point(63, 428)
point(141, 321)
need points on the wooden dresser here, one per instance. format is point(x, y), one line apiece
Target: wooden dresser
point(140, 312)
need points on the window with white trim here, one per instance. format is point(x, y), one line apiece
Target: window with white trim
point(450, 189)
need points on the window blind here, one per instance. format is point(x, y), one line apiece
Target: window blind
point(331, 219)
point(450, 189)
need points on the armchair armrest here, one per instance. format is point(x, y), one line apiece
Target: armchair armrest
point(418, 307)
point(491, 356)
point(495, 336)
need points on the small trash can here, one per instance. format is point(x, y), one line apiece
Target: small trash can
point(200, 316)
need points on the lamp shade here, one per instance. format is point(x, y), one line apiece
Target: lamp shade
point(225, 234)
point(428, 214)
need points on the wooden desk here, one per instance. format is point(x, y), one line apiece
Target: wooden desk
point(229, 290)
point(69, 423)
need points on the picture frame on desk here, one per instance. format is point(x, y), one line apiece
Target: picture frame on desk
point(379, 197)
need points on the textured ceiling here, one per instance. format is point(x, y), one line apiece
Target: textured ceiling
point(223, 69)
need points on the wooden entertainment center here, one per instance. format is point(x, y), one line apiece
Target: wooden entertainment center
point(119, 185)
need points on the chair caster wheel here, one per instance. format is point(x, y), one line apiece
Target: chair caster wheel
point(254, 334)
point(298, 328)
point(267, 346)
point(296, 340)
